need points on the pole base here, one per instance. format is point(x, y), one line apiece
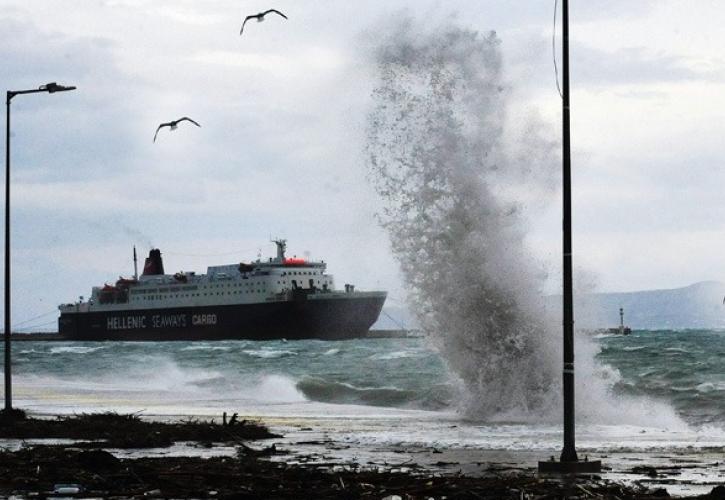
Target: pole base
point(11, 415)
point(574, 467)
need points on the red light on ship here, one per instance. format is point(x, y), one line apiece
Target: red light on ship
point(294, 261)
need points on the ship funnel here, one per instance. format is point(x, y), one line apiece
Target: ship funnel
point(154, 264)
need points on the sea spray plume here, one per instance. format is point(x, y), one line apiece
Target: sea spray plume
point(438, 158)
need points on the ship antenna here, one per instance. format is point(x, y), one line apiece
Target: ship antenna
point(135, 264)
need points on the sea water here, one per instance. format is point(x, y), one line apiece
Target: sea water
point(379, 391)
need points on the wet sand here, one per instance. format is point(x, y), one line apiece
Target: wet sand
point(203, 459)
point(682, 473)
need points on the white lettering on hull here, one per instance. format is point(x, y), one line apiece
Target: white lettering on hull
point(203, 319)
point(125, 322)
point(159, 321)
point(172, 321)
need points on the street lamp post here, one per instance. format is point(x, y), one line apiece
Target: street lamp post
point(50, 88)
point(569, 461)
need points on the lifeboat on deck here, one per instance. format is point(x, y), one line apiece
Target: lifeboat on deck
point(294, 261)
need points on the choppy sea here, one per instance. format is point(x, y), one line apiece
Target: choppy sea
point(375, 391)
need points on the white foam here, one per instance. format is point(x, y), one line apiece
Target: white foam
point(75, 349)
point(206, 347)
point(275, 389)
point(394, 355)
point(710, 387)
point(268, 353)
point(634, 348)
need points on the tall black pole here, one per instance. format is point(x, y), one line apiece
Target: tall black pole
point(8, 382)
point(568, 454)
point(569, 462)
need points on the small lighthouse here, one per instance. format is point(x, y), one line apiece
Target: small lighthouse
point(623, 330)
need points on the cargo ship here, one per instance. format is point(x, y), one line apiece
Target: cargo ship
point(280, 298)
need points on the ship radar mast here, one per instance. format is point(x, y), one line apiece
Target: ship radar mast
point(281, 247)
point(135, 264)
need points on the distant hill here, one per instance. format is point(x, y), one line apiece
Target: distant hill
point(695, 306)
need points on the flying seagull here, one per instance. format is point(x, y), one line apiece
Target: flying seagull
point(260, 17)
point(172, 125)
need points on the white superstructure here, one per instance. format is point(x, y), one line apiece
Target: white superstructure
point(260, 281)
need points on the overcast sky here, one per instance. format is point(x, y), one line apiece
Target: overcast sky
point(280, 150)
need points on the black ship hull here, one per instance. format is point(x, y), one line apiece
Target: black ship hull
point(334, 317)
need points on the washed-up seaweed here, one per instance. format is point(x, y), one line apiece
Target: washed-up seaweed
point(130, 431)
point(42, 469)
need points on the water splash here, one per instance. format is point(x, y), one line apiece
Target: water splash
point(457, 177)
point(441, 159)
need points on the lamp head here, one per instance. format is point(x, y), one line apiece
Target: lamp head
point(54, 87)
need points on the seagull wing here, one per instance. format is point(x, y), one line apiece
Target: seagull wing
point(245, 21)
point(275, 11)
point(160, 127)
point(186, 118)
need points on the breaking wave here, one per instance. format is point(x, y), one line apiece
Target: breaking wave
point(328, 391)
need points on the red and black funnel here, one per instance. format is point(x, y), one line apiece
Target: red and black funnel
point(154, 264)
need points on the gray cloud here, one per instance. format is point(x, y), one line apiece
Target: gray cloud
point(636, 66)
point(83, 134)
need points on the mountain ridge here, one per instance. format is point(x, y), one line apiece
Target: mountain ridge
point(698, 305)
